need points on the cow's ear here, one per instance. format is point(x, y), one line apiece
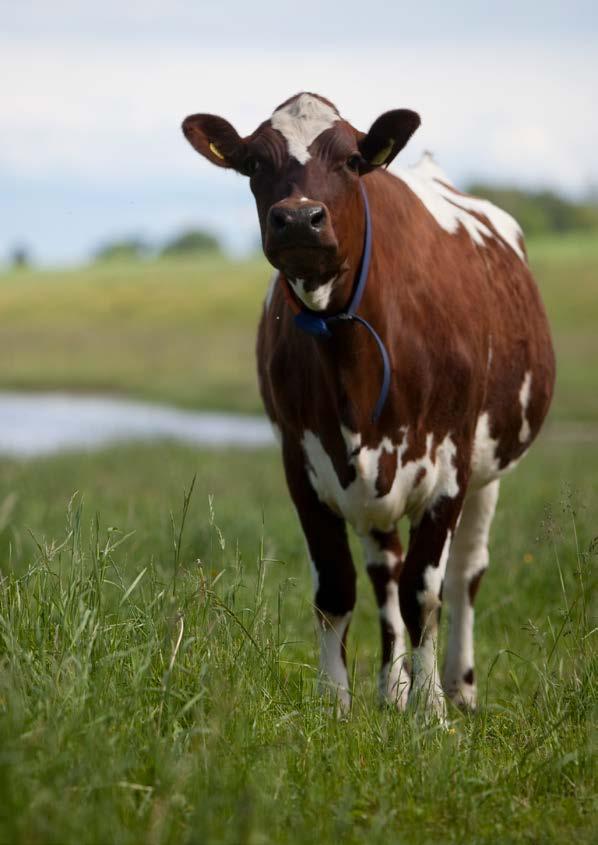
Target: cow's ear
point(387, 136)
point(215, 139)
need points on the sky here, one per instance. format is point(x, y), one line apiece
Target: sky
point(93, 96)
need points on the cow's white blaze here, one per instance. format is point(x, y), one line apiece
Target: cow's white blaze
point(333, 672)
point(524, 395)
point(452, 210)
point(301, 121)
point(316, 299)
point(411, 491)
point(467, 560)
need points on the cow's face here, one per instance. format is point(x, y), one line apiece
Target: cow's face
point(304, 165)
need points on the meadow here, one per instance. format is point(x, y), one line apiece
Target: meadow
point(183, 330)
point(157, 647)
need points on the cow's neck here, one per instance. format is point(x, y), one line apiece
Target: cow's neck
point(347, 331)
point(355, 363)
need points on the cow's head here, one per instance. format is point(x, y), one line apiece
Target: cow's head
point(304, 166)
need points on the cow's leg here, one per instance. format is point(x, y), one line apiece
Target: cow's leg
point(468, 560)
point(420, 588)
point(384, 560)
point(334, 577)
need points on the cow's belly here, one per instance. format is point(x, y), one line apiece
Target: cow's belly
point(377, 498)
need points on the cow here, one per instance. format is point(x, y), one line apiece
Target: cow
point(406, 364)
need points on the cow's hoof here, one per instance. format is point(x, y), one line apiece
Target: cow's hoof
point(429, 704)
point(463, 696)
point(336, 700)
point(394, 692)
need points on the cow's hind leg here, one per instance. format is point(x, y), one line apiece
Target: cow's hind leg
point(334, 578)
point(468, 560)
point(420, 590)
point(384, 559)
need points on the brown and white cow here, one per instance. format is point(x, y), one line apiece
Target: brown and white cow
point(451, 297)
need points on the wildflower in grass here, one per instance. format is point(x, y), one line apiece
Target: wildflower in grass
point(528, 557)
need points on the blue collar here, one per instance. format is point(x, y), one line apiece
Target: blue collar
point(314, 324)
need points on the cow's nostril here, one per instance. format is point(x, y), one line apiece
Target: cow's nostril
point(317, 217)
point(278, 218)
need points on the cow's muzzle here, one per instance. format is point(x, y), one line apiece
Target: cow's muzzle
point(300, 238)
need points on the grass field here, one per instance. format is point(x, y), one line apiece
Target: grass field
point(183, 330)
point(158, 660)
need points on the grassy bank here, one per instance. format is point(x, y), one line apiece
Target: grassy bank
point(157, 684)
point(183, 331)
point(157, 679)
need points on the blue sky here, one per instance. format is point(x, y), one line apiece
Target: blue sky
point(93, 96)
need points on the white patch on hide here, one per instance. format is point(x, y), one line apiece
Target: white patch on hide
point(316, 299)
point(468, 558)
point(452, 210)
point(374, 553)
point(434, 575)
point(484, 463)
point(301, 121)
point(360, 504)
point(426, 690)
point(352, 440)
point(394, 680)
point(333, 672)
point(524, 395)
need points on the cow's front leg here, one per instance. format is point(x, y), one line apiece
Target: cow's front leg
point(384, 560)
point(334, 579)
point(420, 589)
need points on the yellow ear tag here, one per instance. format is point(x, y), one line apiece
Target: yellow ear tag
point(214, 149)
point(383, 154)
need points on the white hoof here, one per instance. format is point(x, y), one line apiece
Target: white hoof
point(428, 701)
point(336, 698)
point(393, 686)
point(463, 695)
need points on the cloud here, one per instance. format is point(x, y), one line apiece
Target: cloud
point(104, 116)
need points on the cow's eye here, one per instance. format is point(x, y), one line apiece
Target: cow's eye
point(252, 165)
point(353, 162)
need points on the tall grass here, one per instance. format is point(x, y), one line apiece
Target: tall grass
point(171, 702)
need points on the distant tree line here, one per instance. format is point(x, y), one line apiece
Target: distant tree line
point(188, 242)
point(541, 212)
